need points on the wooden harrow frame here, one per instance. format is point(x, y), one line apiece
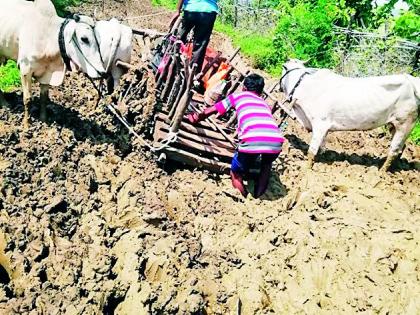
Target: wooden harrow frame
point(210, 144)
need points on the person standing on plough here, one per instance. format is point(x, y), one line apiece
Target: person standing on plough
point(258, 133)
point(200, 15)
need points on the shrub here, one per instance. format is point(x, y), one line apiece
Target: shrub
point(415, 134)
point(408, 26)
point(9, 76)
point(305, 31)
point(62, 5)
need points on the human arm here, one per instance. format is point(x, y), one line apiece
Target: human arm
point(195, 118)
point(178, 12)
point(221, 108)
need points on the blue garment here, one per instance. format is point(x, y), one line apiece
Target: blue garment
point(201, 6)
point(243, 162)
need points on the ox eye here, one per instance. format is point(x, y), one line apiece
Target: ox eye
point(85, 40)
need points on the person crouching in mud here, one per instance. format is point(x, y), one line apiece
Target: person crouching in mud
point(258, 133)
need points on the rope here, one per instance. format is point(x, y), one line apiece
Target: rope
point(172, 136)
point(62, 44)
point(144, 16)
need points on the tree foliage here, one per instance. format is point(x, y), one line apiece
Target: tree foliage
point(62, 5)
point(305, 31)
point(408, 26)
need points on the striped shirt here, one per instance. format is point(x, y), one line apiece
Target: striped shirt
point(257, 129)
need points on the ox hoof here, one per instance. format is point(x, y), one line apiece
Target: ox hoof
point(25, 124)
point(310, 162)
point(384, 169)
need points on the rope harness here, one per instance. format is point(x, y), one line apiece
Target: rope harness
point(63, 50)
point(62, 44)
point(290, 97)
point(283, 125)
point(172, 136)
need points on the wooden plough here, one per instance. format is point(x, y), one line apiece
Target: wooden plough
point(211, 144)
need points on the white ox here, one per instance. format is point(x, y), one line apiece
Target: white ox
point(30, 33)
point(326, 101)
point(115, 43)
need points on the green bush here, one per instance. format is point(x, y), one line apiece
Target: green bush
point(257, 47)
point(9, 76)
point(415, 134)
point(305, 31)
point(62, 5)
point(408, 26)
point(170, 4)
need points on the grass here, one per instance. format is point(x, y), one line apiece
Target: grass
point(9, 76)
point(169, 4)
point(258, 48)
point(415, 134)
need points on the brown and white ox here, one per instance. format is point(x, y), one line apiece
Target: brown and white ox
point(326, 101)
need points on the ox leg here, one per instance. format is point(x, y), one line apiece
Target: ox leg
point(26, 86)
point(318, 136)
point(44, 98)
point(397, 143)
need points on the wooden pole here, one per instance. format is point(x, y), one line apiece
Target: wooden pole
point(192, 129)
point(147, 32)
point(224, 134)
point(168, 78)
point(198, 161)
point(181, 92)
point(416, 59)
point(235, 16)
point(184, 102)
point(234, 54)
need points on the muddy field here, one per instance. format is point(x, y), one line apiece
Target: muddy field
point(89, 224)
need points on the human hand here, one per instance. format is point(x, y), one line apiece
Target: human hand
point(174, 18)
point(194, 118)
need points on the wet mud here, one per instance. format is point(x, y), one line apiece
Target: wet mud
point(90, 224)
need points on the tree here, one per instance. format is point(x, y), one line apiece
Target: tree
point(305, 31)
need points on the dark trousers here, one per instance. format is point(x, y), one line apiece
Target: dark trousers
point(203, 23)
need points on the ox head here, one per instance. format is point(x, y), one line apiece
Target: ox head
point(82, 47)
point(288, 67)
point(115, 43)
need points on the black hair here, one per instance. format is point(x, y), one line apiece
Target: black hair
point(254, 83)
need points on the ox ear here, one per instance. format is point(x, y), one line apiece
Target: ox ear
point(84, 19)
point(76, 17)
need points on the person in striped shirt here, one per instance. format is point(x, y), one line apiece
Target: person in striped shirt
point(258, 132)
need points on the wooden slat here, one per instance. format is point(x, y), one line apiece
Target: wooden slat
point(200, 139)
point(199, 98)
point(190, 128)
point(197, 161)
point(160, 135)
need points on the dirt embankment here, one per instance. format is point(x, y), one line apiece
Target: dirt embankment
point(90, 226)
